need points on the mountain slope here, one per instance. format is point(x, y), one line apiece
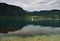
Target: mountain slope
point(10, 10)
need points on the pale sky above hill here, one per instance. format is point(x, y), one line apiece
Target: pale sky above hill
point(35, 5)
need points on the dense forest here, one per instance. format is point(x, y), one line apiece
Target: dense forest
point(13, 17)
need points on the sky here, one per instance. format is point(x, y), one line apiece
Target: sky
point(35, 5)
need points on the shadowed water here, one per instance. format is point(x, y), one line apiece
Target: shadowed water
point(35, 30)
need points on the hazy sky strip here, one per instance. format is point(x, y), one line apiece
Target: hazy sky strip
point(35, 5)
